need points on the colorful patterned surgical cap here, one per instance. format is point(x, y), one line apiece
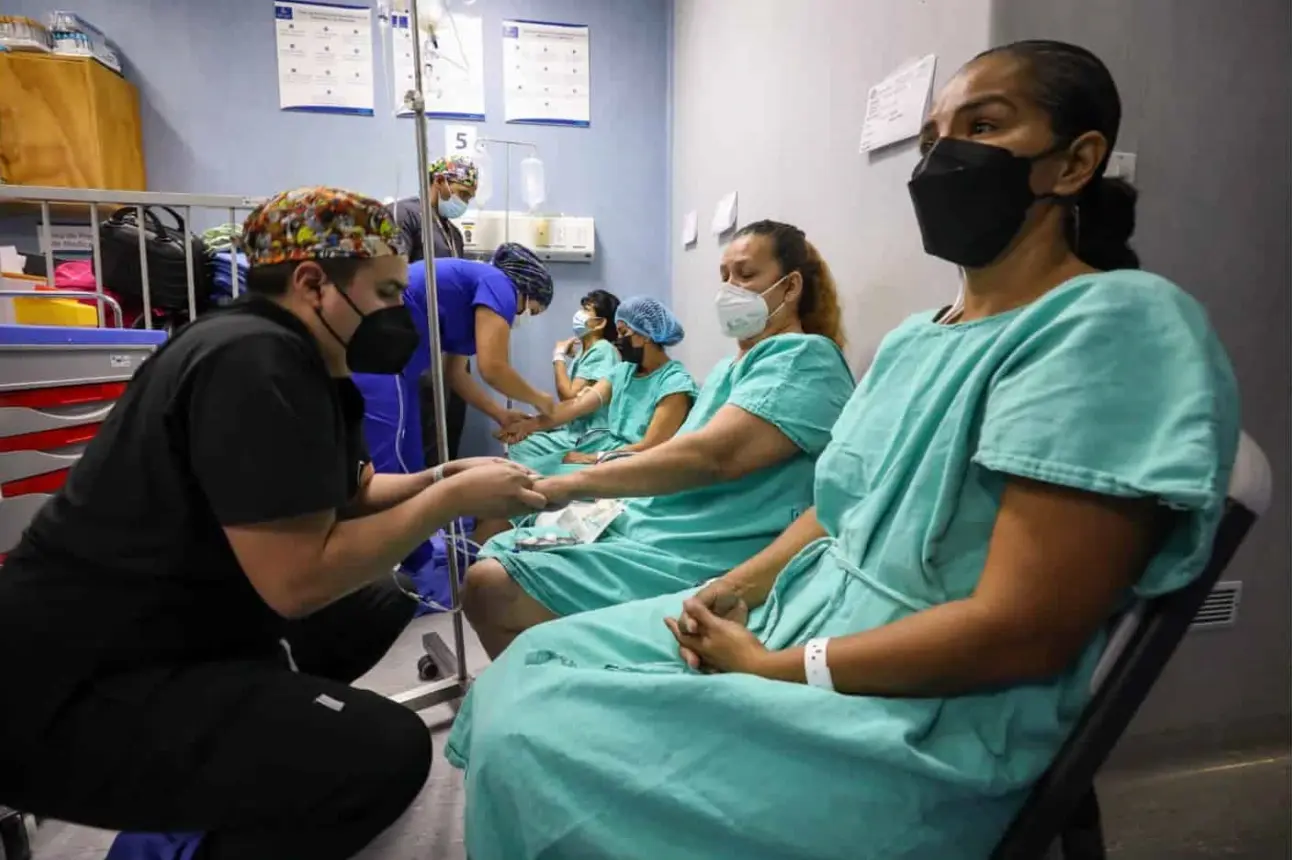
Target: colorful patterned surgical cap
point(457, 168)
point(317, 223)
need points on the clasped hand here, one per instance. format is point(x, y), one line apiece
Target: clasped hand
point(712, 632)
point(516, 425)
point(493, 488)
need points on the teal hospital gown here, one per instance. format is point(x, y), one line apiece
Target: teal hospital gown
point(589, 738)
point(798, 383)
point(632, 405)
point(543, 451)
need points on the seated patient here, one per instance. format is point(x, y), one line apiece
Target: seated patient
point(639, 404)
point(594, 334)
point(737, 472)
point(887, 679)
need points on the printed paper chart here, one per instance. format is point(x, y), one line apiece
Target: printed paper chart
point(324, 58)
point(546, 73)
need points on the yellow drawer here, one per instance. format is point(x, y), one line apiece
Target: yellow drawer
point(65, 312)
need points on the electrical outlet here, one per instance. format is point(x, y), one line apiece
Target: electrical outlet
point(1121, 165)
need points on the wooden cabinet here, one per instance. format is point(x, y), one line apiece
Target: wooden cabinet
point(68, 122)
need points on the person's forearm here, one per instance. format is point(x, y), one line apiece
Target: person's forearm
point(571, 410)
point(679, 464)
point(564, 385)
point(753, 578)
point(952, 649)
point(504, 379)
point(465, 386)
point(386, 490)
point(358, 551)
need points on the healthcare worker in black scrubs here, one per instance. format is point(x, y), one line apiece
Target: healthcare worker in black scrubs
point(454, 181)
point(453, 186)
point(222, 530)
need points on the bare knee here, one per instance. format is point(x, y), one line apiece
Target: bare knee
point(488, 589)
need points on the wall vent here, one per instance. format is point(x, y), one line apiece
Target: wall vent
point(1220, 609)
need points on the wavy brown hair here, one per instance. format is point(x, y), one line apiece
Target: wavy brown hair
point(819, 311)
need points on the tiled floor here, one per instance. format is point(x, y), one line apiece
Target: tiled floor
point(1237, 807)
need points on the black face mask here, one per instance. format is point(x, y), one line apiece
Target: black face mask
point(970, 199)
point(383, 342)
point(629, 353)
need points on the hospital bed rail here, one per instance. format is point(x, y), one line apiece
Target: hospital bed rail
point(68, 203)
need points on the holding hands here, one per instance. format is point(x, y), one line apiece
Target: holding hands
point(493, 488)
point(558, 491)
point(519, 427)
point(457, 467)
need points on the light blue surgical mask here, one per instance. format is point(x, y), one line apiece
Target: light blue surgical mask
point(580, 323)
point(452, 208)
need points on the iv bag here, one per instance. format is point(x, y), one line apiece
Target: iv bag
point(484, 184)
point(532, 183)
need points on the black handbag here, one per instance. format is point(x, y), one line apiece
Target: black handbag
point(164, 249)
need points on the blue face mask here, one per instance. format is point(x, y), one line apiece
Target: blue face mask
point(453, 208)
point(580, 323)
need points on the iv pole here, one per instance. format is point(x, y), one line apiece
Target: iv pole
point(451, 665)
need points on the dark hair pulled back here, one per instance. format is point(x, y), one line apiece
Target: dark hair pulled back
point(604, 304)
point(1077, 91)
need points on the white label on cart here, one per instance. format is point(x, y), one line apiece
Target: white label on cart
point(119, 361)
point(68, 237)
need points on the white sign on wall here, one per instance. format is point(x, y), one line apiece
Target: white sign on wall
point(454, 88)
point(324, 58)
point(546, 73)
point(460, 140)
point(896, 106)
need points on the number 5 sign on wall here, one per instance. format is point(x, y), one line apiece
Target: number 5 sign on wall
point(459, 140)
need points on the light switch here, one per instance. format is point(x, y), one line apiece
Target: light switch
point(1121, 165)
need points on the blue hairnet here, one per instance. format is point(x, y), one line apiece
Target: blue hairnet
point(650, 318)
point(525, 270)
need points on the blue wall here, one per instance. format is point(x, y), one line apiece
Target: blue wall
point(207, 77)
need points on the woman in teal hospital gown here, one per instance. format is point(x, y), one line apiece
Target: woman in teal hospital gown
point(887, 679)
point(644, 399)
point(735, 475)
point(594, 333)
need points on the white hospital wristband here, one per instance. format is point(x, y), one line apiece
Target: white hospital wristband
point(815, 666)
point(437, 474)
point(558, 355)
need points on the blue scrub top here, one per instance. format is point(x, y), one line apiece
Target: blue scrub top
point(461, 286)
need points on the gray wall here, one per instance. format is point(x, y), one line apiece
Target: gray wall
point(768, 101)
point(1206, 88)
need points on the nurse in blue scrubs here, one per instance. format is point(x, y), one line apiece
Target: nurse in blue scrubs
point(479, 305)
